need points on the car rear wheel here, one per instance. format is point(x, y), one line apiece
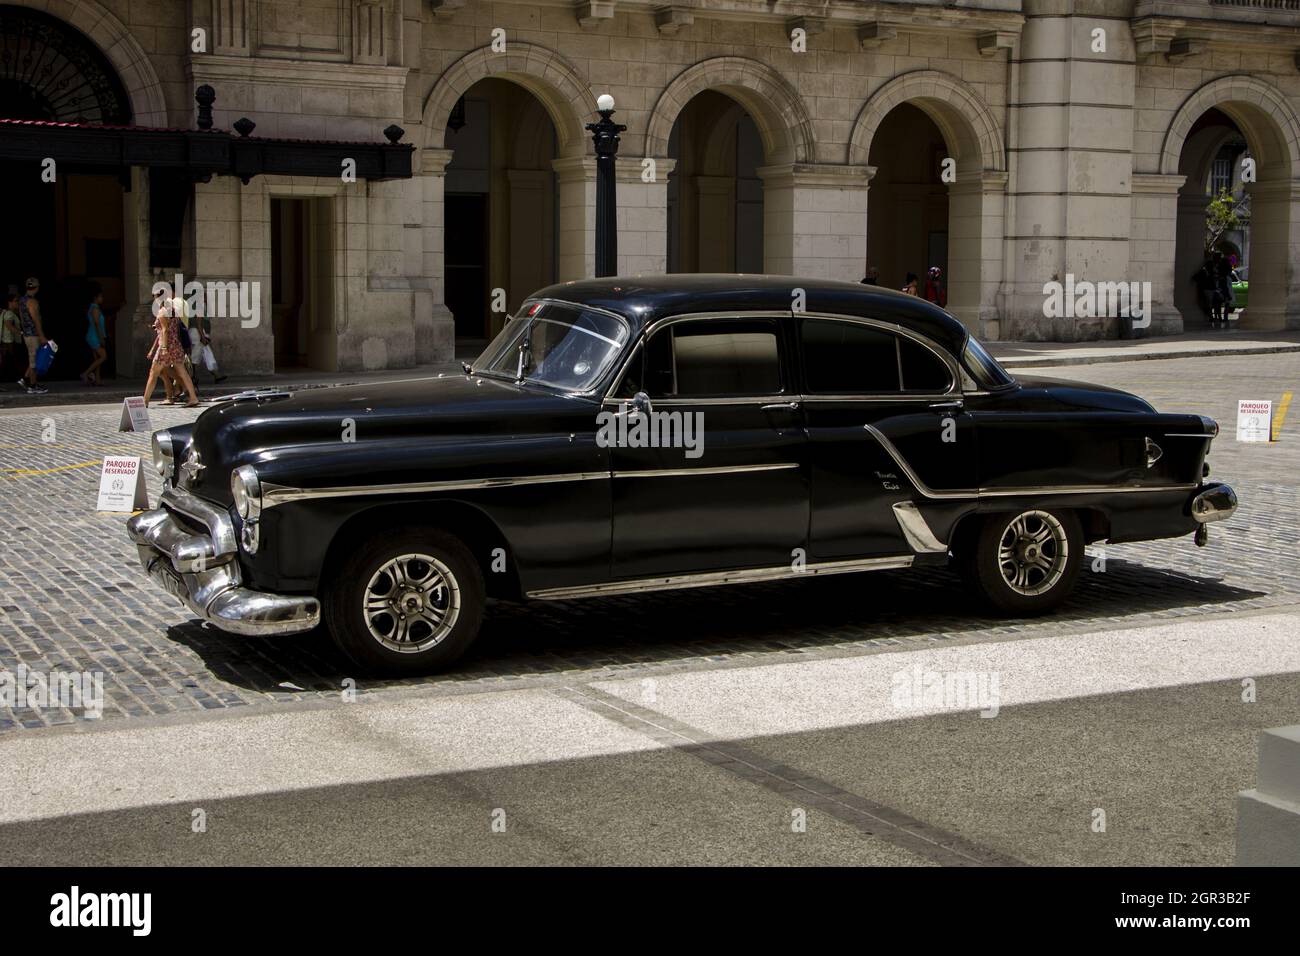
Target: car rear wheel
point(406, 602)
point(1025, 563)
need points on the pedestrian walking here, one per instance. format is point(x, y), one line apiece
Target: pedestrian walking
point(201, 332)
point(872, 276)
point(1205, 282)
point(934, 290)
point(29, 317)
point(909, 284)
point(11, 336)
point(97, 339)
point(1223, 284)
point(167, 355)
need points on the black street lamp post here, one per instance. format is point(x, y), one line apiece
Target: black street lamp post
point(604, 135)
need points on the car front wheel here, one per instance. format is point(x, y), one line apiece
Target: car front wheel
point(406, 602)
point(1026, 563)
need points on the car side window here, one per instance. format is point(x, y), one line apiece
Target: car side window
point(711, 358)
point(849, 358)
point(921, 369)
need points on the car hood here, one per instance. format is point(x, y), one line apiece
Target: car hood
point(1070, 394)
point(314, 426)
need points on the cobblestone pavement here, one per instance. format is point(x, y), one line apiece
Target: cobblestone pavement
point(73, 597)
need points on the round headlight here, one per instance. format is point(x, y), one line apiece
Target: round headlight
point(246, 491)
point(164, 453)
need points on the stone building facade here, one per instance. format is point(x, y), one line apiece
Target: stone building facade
point(1012, 142)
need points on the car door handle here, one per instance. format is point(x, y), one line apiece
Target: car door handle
point(782, 406)
point(947, 406)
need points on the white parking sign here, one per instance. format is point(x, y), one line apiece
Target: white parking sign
point(1254, 420)
point(121, 486)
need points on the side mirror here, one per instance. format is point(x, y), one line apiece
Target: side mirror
point(641, 403)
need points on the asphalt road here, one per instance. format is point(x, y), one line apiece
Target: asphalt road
point(1146, 724)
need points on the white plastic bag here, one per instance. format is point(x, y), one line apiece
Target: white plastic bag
point(203, 354)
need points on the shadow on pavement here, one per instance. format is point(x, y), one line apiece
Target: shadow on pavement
point(540, 637)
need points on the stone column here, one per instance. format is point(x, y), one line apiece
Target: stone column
point(1153, 246)
point(975, 235)
point(1073, 163)
point(435, 328)
point(132, 330)
point(643, 217)
point(815, 220)
point(576, 257)
point(1274, 301)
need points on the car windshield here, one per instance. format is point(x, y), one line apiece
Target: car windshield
point(983, 367)
point(557, 344)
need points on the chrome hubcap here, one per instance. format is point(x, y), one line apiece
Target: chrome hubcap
point(1032, 553)
point(411, 603)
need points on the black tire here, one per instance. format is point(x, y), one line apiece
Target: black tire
point(1042, 589)
point(454, 583)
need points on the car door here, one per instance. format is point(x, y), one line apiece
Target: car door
point(739, 497)
point(886, 427)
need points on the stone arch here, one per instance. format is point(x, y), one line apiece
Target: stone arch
point(110, 35)
point(543, 72)
point(772, 101)
point(965, 120)
point(1271, 127)
point(1268, 120)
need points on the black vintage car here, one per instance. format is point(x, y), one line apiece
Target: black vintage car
point(643, 433)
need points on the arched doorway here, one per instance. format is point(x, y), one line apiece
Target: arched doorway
point(500, 202)
point(67, 232)
point(715, 196)
point(906, 131)
point(907, 216)
point(1204, 144)
point(1211, 161)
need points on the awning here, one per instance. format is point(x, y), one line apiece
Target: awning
point(201, 154)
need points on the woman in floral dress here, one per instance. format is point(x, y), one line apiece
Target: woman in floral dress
point(167, 355)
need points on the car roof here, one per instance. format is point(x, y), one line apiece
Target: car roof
point(642, 299)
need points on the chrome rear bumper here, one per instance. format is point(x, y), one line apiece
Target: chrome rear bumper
point(1213, 502)
point(201, 571)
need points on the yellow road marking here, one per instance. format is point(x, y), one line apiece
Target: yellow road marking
point(26, 472)
point(1279, 416)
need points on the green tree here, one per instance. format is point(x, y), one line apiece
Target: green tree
point(1225, 213)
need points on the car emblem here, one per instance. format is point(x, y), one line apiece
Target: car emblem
point(191, 468)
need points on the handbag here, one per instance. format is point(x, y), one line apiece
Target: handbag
point(183, 333)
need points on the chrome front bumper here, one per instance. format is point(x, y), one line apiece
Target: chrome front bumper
point(202, 570)
point(1213, 502)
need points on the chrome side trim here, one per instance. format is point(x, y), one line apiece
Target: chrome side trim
point(916, 530)
point(273, 495)
point(1188, 435)
point(1079, 490)
point(712, 578)
point(928, 492)
point(912, 476)
point(716, 470)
